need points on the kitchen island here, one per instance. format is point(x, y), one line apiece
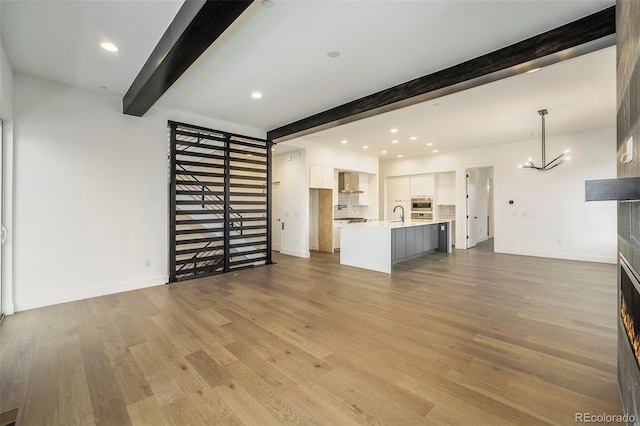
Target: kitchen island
point(379, 245)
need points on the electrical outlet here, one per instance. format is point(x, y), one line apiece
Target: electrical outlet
point(147, 263)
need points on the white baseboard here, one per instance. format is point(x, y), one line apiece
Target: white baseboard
point(567, 256)
point(296, 253)
point(87, 293)
point(481, 239)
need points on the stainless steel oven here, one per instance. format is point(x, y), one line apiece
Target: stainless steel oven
point(424, 204)
point(424, 216)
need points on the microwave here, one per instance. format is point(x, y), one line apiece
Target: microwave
point(422, 204)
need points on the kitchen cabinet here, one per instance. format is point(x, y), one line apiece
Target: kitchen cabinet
point(445, 189)
point(363, 198)
point(400, 243)
point(398, 193)
point(398, 188)
point(412, 241)
point(320, 177)
point(422, 185)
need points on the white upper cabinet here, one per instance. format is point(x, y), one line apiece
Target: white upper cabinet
point(398, 188)
point(446, 189)
point(422, 185)
point(320, 177)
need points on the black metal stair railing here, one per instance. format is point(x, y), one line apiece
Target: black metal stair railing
point(198, 190)
point(219, 201)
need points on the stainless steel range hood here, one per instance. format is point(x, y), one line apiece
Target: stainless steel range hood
point(348, 183)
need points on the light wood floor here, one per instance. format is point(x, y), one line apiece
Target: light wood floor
point(473, 338)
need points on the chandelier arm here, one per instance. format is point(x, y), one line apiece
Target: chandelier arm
point(554, 160)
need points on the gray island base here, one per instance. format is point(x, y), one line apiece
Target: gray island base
point(379, 245)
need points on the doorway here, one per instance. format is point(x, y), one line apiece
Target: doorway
point(276, 216)
point(479, 214)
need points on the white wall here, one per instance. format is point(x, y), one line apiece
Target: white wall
point(295, 190)
point(6, 112)
point(90, 193)
point(549, 216)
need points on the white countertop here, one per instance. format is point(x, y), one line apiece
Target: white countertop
point(389, 224)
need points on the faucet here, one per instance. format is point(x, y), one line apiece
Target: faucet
point(401, 214)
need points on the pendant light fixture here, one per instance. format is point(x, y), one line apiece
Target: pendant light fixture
point(551, 164)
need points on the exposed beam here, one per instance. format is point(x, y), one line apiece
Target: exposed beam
point(577, 38)
point(196, 26)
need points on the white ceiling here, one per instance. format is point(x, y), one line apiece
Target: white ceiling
point(282, 52)
point(60, 40)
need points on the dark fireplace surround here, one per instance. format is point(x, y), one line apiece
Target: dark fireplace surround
point(629, 337)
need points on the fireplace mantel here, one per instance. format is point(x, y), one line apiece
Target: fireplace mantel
point(621, 189)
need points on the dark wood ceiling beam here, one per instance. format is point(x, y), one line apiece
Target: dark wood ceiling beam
point(579, 37)
point(196, 26)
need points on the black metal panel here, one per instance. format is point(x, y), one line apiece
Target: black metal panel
point(220, 211)
point(172, 203)
point(621, 189)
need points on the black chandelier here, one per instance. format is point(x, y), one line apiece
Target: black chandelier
point(551, 164)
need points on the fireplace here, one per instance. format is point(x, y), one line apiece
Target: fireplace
point(629, 339)
point(630, 307)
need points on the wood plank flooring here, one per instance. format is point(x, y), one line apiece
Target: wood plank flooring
point(472, 338)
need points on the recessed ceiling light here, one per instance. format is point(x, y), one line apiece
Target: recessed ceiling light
point(383, 152)
point(429, 143)
point(343, 141)
point(109, 46)
point(267, 4)
point(533, 70)
point(399, 155)
point(102, 87)
point(436, 104)
point(394, 141)
point(365, 147)
point(333, 54)
point(394, 130)
point(413, 138)
point(256, 95)
point(435, 150)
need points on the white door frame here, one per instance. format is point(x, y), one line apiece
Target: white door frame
point(471, 215)
point(276, 228)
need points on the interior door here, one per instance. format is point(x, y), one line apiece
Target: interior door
point(276, 216)
point(472, 216)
